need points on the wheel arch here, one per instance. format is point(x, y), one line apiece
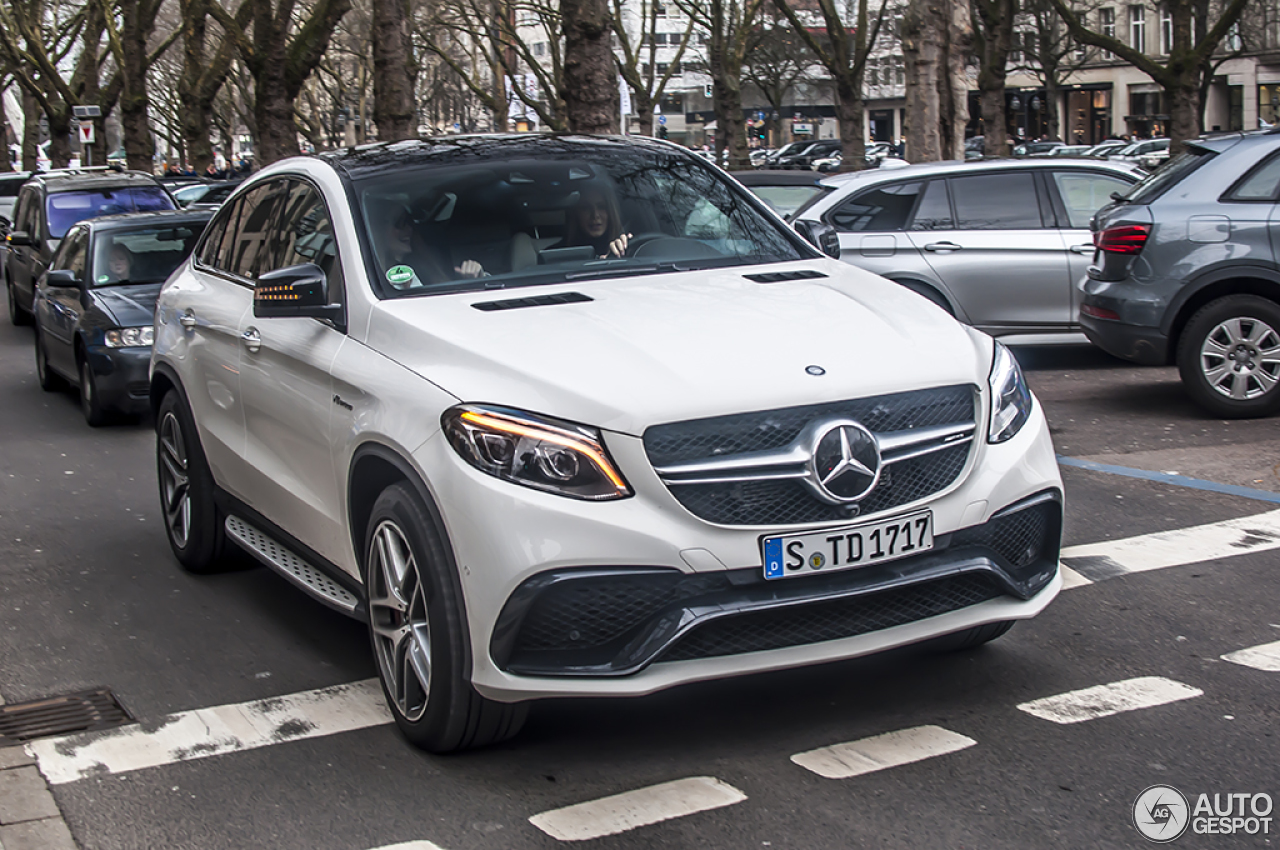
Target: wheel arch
point(163, 379)
point(1250, 280)
point(932, 291)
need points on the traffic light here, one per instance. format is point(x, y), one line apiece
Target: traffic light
point(662, 132)
point(710, 90)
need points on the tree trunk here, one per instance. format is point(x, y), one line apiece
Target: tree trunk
point(30, 130)
point(139, 144)
point(731, 128)
point(996, 39)
point(590, 79)
point(59, 136)
point(853, 134)
point(1183, 103)
point(642, 105)
point(935, 41)
point(1052, 100)
point(272, 108)
point(393, 73)
point(5, 163)
point(197, 88)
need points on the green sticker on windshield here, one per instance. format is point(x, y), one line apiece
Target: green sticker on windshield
point(103, 278)
point(399, 274)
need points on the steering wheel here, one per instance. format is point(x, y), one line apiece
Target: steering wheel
point(638, 241)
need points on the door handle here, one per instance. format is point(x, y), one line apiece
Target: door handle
point(942, 246)
point(1081, 249)
point(188, 320)
point(252, 340)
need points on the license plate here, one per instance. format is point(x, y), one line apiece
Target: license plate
point(845, 548)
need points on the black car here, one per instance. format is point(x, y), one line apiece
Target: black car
point(804, 158)
point(10, 183)
point(50, 203)
point(93, 308)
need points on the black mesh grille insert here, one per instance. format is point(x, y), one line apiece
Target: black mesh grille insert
point(788, 502)
point(700, 439)
point(823, 621)
point(1019, 538)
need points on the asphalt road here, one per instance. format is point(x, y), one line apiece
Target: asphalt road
point(91, 597)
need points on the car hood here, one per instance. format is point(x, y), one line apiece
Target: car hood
point(668, 347)
point(128, 305)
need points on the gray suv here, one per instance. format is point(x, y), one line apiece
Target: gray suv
point(1186, 272)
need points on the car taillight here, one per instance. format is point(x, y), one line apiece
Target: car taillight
point(1126, 239)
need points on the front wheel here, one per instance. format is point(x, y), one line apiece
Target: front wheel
point(17, 315)
point(1229, 357)
point(191, 519)
point(48, 380)
point(417, 628)
point(90, 405)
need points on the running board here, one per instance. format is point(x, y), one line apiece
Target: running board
point(289, 565)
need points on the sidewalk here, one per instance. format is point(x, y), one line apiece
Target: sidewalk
point(29, 818)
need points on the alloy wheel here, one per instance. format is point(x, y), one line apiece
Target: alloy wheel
point(175, 481)
point(1240, 358)
point(399, 620)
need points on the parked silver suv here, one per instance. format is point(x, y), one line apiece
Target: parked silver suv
point(999, 244)
point(1186, 271)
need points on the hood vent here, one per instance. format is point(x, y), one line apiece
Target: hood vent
point(779, 277)
point(535, 301)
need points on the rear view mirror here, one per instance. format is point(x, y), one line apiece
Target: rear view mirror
point(20, 237)
point(821, 235)
point(61, 278)
point(301, 290)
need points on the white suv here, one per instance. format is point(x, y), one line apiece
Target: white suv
point(566, 416)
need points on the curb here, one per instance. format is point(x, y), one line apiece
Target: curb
point(29, 816)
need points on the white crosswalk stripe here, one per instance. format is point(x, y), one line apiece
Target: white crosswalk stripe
point(632, 809)
point(1265, 657)
point(881, 752)
point(1106, 700)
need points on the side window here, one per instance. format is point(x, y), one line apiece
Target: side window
point(304, 234)
point(934, 212)
point(996, 202)
point(880, 209)
point(22, 215)
point(215, 234)
point(258, 213)
point(1083, 194)
point(77, 254)
point(1261, 184)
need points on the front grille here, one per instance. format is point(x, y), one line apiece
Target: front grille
point(771, 499)
point(701, 439)
point(789, 502)
point(842, 618)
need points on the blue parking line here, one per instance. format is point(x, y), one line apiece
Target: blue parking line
point(1176, 480)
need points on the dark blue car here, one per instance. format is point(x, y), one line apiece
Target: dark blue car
point(94, 307)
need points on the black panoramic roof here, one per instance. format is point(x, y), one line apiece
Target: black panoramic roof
point(368, 160)
point(139, 220)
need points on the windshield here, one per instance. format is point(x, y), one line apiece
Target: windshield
point(1154, 185)
point(66, 208)
point(141, 256)
point(575, 212)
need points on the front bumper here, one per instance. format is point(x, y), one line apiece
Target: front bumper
point(121, 377)
point(616, 622)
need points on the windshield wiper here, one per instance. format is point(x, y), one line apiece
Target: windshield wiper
point(631, 271)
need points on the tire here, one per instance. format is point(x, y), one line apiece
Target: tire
point(192, 521)
point(970, 638)
point(90, 403)
point(418, 631)
point(49, 380)
point(17, 316)
point(1229, 357)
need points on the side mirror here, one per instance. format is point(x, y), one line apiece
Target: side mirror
point(20, 237)
point(62, 278)
point(300, 290)
point(821, 235)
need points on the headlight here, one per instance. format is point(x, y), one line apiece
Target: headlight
point(130, 337)
point(524, 448)
point(1010, 398)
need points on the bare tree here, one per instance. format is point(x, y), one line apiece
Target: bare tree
point(1195, 38)
point(936, 38)
point(590, 75)
point(776, 61)
point(729, 26)
point(394, 70)
point(137, 24)
point(1050, 54)
point(207, 59)
point(844, 55)
point(638, 59)
point(993, 22)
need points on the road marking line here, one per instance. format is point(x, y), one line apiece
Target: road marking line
point(1265, 657)
point(212, 731)
point(1071, 578)
point(1109, 559)
point(1106, 700)
point(632, 809)
point(410, 845)
point(1171, 478)
point(881, 752)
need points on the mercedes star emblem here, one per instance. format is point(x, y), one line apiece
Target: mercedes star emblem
point(845, 463)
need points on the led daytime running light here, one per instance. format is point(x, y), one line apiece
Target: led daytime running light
point(588, 448)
